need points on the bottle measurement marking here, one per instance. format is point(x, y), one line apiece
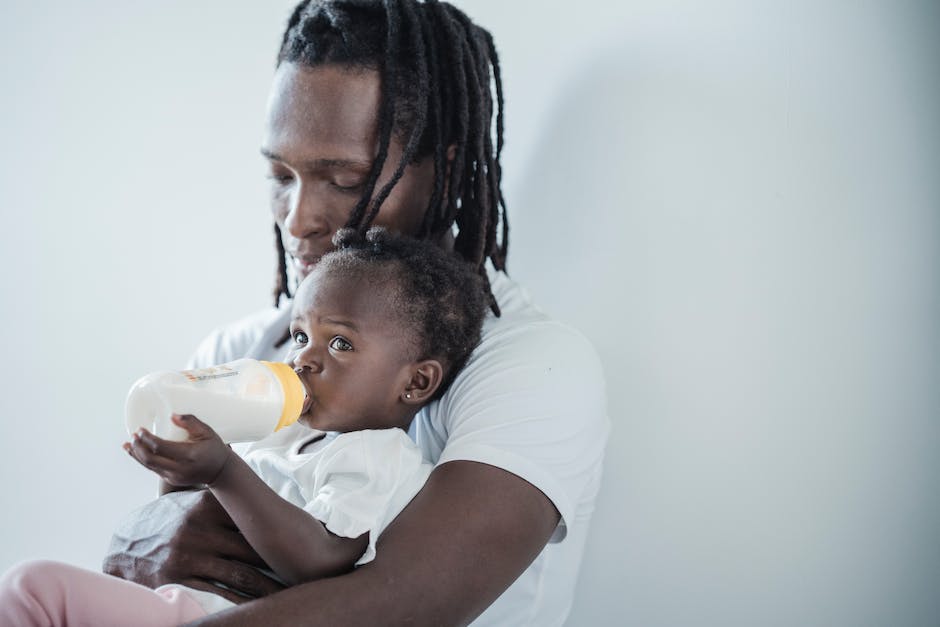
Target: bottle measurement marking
point(207, 377)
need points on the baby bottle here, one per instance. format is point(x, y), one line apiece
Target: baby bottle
point(242, 400)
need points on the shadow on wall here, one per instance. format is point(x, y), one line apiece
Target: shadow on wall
point(719, 236)
point(633, 209)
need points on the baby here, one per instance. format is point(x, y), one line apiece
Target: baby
point(380, 328)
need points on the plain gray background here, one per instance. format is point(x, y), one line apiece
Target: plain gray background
point(738, 202)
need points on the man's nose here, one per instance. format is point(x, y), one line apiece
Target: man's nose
point(307, 216)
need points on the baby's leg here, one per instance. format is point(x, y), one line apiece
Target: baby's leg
point(51, 594)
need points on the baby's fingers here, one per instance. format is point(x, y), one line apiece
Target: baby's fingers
point(197, 429)
point(147, 457)
point(145, 438)
point(161, 446)
point(168, 468)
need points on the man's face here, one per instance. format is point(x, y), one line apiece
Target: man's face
point(321, 138)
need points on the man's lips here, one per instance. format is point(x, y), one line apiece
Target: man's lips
point(304, 263)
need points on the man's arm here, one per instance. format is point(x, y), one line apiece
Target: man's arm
point(467, 535)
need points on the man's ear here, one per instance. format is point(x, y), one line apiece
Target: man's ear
point(426, 377)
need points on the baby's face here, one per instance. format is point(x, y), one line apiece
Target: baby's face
point(350, 354)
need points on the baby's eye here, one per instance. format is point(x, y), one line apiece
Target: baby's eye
point(340, 343)
point(300, 337)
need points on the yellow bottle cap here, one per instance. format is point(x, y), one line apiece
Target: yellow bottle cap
point(294, 392)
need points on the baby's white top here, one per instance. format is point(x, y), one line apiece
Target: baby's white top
point(353, 482)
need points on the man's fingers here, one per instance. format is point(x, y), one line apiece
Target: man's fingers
point(237, 576)
point(207, 509)
point(186, 537)
point(231, 544)
point(201, 584)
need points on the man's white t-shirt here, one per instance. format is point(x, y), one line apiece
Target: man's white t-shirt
point(530, 400)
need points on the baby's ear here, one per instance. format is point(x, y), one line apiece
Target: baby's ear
point(425, 378)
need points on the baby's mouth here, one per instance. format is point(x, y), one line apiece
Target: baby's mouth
point(308, 401)
point(308, 397)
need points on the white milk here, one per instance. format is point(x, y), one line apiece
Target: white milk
point(242, 400)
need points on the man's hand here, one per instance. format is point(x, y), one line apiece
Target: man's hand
point(187, 538)
point(197, 461)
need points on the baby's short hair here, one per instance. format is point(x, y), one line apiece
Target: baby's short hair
point(437, 296)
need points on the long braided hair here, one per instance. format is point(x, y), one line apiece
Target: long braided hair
point(438, 72)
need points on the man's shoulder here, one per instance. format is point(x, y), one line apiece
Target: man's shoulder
point(253, 325)
point(235, 339)
point(531, 400)
point(525, 331)
point(525, 357)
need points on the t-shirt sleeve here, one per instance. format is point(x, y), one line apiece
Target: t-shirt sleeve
point(532, 401)
point(362, 480)
point(209, 352)
point(233, 341)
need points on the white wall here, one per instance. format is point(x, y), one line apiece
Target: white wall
point(737, 202)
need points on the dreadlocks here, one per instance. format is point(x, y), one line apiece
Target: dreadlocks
point(437, 68)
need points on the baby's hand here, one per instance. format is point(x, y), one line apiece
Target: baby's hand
point(195, 462)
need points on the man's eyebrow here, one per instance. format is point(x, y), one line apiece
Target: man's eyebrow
point(321, 163)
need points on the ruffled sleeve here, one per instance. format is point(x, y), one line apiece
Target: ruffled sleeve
point(362, 480)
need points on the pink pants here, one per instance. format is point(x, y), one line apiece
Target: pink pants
point(46, 594)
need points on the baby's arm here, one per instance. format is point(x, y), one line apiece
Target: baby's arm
point(297, 546)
